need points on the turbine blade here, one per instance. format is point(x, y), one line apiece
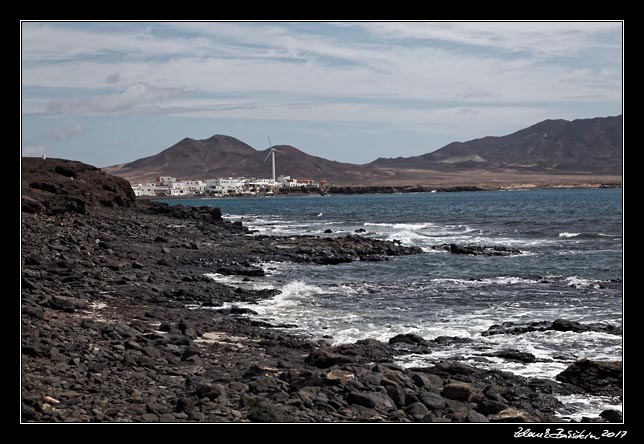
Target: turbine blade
point(270, 145)
point(269, 155)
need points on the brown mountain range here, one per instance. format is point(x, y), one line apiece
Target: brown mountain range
point(583, 146)
point(225, 156)
point(585, 150)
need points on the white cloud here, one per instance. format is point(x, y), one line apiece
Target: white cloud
point(34, 150)
point(112, 78)
point(133, 97)
point(271, 71)
point(63, 133)
point(44, 42)
point(539, 38)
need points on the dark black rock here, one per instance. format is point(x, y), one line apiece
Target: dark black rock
point(474, 416)
point(514, 355)
point(241, 271)
point(512, 328)
point(612, 416)
point(450, 340)
point(236, 311)
point(377, 400)
point(186, 405)
point(190, 351)
point(408, 338)
point(490, 407)
point(268, 412)
point(416, 410)
point(165, 326)
point(433, 401)
point(595, 377)
point(325, 359)
point(477, 250)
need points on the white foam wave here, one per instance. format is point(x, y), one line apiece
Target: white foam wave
point(499, 280)
point(420, 226)
point(566, 234)
point(579, 282)
point(238, 281)
point(578, 406)
point(292, 294)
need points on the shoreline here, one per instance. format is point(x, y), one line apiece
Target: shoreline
point(386, 190)
point(110, 333)
point(217, 365)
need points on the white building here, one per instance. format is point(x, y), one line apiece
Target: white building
point(195, 186)
point(178, 192)
point(262, 182)
point(166, 180)
point(144, 189)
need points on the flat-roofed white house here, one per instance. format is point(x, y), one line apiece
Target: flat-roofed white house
point(166, 180)
point(144, 189)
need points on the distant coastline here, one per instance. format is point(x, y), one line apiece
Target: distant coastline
point(334, 190)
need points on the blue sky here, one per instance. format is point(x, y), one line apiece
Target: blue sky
point(111, 92)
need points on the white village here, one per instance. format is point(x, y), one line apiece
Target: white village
point(167, 186)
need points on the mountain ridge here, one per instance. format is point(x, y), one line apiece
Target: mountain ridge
point(577, 146)
point(551, 147)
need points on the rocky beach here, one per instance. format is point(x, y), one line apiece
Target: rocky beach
point(120, 324)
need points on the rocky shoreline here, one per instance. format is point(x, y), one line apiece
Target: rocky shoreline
point(107, 335)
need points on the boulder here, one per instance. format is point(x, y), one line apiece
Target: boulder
point(340, 377)
point(612, 415)
point(595, 377)
point(474, 416)
point(477, 250)
point(512, 415)
point(433, 401)
point(459, 391)
point(375, 400)
point(417, 410)
point(325, 359)
point(408, 338)
point(515, 355)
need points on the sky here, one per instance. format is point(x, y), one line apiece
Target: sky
point(107, 93)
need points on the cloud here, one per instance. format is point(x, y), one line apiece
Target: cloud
point(549, 39)
point(52, 42)
point(112, 78)
point(133, 97)
point(419, 76)
point(465, 111)
point(63, 133)
point(34, 150)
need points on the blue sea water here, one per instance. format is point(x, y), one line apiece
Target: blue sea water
point(570, 267)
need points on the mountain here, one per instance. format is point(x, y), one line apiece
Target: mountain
point(584, 146)
point(225, 156)
point(551, 149)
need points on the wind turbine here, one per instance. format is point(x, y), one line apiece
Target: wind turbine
point(272, 151)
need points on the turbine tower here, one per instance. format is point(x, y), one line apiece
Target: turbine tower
point(272, 151)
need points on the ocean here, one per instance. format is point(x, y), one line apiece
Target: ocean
point(569, 267)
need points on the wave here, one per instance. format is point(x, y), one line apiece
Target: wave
point(588, 236)
point(578, 406)
point(579, 282)
point(499, 280)
point(419, 226)
point(292, 294)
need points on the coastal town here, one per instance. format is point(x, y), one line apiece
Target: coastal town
point(167, 186)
